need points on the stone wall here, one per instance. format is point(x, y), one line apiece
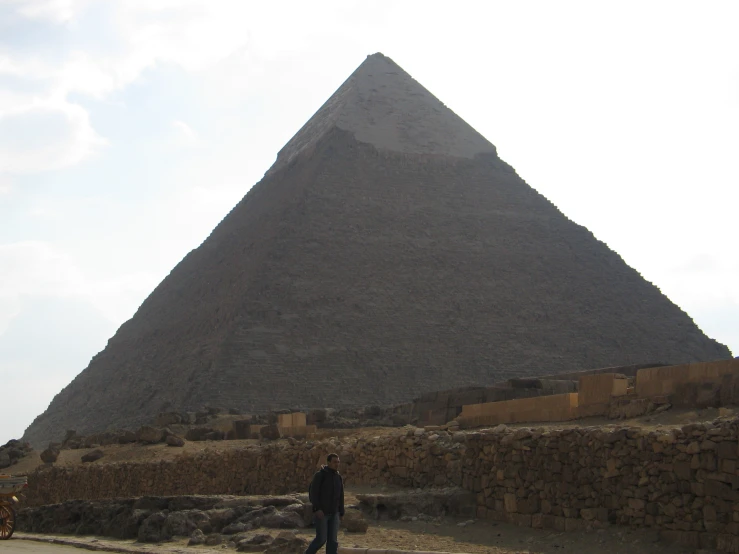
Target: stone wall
point(436, 408)
point(697, 385)
point(659, 381)
point(556, 407)
point(684, 482)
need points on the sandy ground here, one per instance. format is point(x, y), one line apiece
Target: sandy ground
point(28, 547)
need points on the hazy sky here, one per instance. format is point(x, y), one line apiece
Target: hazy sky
point(129, 128)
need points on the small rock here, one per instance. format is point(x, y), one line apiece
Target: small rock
point(235, 528)
point(149, 435)
point(92, 456)
point(50, 455)
point(354, 522)
point(174, 440)
point(213, 540)
point(197, 538)
point(283, 520)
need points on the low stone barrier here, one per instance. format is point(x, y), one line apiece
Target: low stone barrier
point(684, 482)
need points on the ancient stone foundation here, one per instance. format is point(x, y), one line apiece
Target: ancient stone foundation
point(684, 482)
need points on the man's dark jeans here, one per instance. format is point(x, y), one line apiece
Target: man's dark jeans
point(327, 532)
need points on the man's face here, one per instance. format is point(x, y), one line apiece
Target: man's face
point(334, 463)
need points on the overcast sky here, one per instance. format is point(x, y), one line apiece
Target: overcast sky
point(128, 129)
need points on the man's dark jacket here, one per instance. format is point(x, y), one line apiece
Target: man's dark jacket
point(327, 492)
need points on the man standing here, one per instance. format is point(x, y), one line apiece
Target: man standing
point(327, 497)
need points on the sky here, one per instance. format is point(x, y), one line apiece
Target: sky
point(130, 128)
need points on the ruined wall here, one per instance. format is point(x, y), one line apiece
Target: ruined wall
point(697, 385)
point(437, 408)
point(557, 407)
point(659, 381)
point(684, 482)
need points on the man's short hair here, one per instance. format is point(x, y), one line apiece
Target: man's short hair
point(331, 457)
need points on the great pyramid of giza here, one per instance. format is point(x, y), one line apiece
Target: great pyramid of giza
point(388, 252)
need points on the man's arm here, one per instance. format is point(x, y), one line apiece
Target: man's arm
point(315, 492)
point(341, 501)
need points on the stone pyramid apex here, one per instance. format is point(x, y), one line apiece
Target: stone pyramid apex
point(382, 105)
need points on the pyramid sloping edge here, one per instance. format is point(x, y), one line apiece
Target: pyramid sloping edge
point(382, 105)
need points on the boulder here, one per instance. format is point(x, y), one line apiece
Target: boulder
point(256, 543)
point(196, 538)
point(354, 522)
point(213, 540)
point(152, 528)
point(182, 524)
point(255, 517)
point(149, 435)
point(283, 520)
point(174, 440)
point(50, 455)
point(235, 528)
point(259, 538)
point(222, 517)
point(167, 418)
point(287, 543)
point(92, 456)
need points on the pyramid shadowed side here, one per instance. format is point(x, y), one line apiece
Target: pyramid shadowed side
point(358, 276)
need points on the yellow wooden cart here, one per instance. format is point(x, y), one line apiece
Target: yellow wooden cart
point(9, 487)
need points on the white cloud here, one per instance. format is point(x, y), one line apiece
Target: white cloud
point(186, 135)
point(6, 184)
point(38, 269)
point(58, 11)
point(32, 268)
point(46, 135)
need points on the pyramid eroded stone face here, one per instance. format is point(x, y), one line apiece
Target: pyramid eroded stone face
point(389, 252)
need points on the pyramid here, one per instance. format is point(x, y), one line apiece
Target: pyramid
point(387, 253)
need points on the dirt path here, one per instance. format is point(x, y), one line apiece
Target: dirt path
point(17, 546)
point(475, 538)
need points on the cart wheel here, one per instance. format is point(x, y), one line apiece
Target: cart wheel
point(7, 522)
